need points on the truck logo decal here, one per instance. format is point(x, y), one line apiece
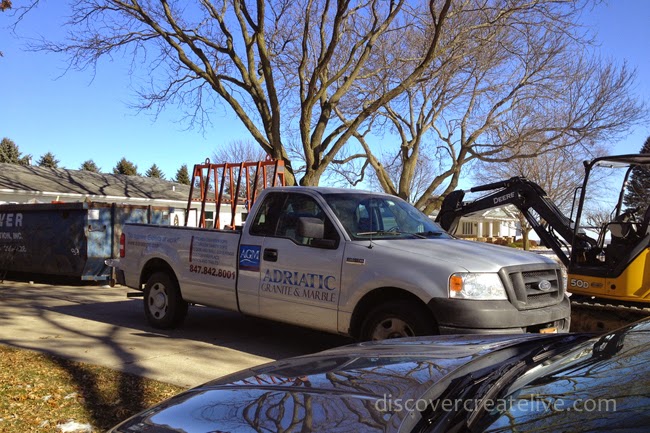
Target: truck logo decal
point(544, 285)
point(249, 258)
point(315, 287)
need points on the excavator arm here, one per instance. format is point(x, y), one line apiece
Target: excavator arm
point(554, 229)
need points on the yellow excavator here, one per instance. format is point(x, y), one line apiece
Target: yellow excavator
point(607, 266)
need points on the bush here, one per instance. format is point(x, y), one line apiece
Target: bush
point(520, 244)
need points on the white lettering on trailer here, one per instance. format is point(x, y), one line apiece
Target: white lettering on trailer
point(11, 220)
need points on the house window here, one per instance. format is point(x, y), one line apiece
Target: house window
point(467, 228)
point(209, 219)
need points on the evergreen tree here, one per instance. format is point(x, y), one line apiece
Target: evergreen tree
point(10, 153)
point(126, 167)
point(182, 175)
point(48, 160)
point(155, 172)
point(89, 165)
point(637, 195)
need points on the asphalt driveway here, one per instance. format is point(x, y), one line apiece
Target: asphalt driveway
point(100, 325)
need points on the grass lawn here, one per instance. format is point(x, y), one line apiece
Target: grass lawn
point(43, 393)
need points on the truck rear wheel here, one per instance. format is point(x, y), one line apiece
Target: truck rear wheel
point(163, 304)
point(395, 320)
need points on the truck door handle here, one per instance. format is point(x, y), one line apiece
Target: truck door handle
point(270, 255)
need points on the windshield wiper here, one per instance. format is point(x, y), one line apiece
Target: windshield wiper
point(390, 232)
point(497, 381)
point(486, 385)
point(429, 233)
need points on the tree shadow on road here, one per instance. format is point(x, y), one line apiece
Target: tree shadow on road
point(52, 307)
point(107, 397)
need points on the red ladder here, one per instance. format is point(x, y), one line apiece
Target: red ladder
point(261, 178)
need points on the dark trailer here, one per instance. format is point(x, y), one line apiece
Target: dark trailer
point(68, 239)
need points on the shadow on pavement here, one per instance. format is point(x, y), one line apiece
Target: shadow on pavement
point(224, 328)
point(23, 306)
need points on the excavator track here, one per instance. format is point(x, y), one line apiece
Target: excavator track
point(598, 314)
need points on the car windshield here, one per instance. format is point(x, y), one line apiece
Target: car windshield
point(552, 387)
point(366, 216)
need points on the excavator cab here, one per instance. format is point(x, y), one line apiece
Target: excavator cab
point(625, 225)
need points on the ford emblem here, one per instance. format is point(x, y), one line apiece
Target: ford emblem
point(544, 285)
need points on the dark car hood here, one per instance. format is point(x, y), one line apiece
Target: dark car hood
point(357, 388)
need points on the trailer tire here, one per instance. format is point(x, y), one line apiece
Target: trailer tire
point(164, 306)
point(396, 319)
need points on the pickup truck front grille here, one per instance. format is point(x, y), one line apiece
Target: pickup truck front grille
point(530, 287)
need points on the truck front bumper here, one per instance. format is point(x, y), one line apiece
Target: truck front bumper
point(457, 316)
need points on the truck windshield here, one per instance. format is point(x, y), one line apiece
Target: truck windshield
point(364, 216)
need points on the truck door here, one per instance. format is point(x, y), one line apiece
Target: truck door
point(299, 278)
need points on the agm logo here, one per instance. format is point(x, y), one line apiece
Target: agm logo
point(249, 257)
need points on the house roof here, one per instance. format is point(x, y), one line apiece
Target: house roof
point(57, 180)
point(505, 213)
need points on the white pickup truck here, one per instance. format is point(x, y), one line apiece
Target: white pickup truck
point(363, 264)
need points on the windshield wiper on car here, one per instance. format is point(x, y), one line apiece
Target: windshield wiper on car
point(438, 418)
point(483, 386)
point(490, 390)
point(391, 233)
point(428, 233)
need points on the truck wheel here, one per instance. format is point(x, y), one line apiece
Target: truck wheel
point(395, 320)
point(163, 304)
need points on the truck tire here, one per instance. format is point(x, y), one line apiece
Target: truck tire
point(397, 319)
point(163, 304)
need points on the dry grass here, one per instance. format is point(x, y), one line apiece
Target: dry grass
point(39, 393)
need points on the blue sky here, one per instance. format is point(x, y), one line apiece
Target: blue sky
point(78, 116)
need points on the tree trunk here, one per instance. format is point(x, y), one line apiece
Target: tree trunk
point(524, 237)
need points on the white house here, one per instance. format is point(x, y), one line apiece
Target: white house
point(490, 225)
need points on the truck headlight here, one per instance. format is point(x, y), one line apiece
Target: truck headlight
point(486, 286)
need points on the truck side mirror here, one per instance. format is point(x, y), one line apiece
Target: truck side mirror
point(310, 227)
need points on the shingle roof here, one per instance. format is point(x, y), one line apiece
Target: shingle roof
point(57, 180)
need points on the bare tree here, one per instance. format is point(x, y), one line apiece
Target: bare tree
point(4, 5)
point(507, 84)
point(597, 219)
point(283, 67)
point(242, 151)
point(238, 151)
point(472, 77)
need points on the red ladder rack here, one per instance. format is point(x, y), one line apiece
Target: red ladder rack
point(261, 178)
